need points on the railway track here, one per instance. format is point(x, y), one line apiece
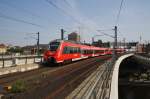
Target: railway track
point(10, 78)
point(144, 55)
point(83, 73)
point(55, 81)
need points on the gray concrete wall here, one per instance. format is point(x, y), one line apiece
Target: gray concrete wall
point(1, 64)
point(8, 62)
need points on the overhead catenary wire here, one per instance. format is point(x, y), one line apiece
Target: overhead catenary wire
point(66, 13)
point(67, 3)
point(12, 30)
point(70, 6)
point(105, 34)
point(105, 29)
point(120, 33)
point(19, 20)
point(20, 8)
point(32, 14)
point(116, 22)
point(118, 15)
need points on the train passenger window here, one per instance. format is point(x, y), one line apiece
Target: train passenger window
point(101, 51)
point(87, 51)
point(66, 50)
point(74, 49)
point(71, 50)
point(79, 50)
point(84, 51)
point(91, 51)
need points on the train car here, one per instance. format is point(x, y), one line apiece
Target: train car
point(106, 51)
point(96, 51)
point(120, 50)
point(109, 51)
point(86, 51)
point(61, 51)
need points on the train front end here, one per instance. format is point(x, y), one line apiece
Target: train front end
point(50, 56)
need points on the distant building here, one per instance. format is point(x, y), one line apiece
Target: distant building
point(132, 46)
point(147, 48)
point(32, 49)
point(3, 48)
point(74, 37)
point(128, 46)
point(97, 43)
point(140, 48)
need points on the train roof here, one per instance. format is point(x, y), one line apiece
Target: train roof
point(80, 44)
point(69, 41)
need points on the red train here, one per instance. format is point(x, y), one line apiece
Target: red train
point(61, 51)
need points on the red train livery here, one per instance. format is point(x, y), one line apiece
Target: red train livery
point(61, 51)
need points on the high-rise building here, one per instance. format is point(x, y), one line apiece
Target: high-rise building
point(74, 37)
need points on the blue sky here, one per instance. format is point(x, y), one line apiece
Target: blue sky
point(85, 16)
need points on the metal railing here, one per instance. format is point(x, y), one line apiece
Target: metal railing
point(102, 85)
point(143, 57)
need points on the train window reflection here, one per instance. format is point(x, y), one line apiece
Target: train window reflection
point(53, 46)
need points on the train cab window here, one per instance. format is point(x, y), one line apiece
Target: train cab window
point(53, 46)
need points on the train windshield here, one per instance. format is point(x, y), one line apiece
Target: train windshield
point(53, 46)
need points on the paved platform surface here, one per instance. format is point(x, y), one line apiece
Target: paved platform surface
point(20, 68)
